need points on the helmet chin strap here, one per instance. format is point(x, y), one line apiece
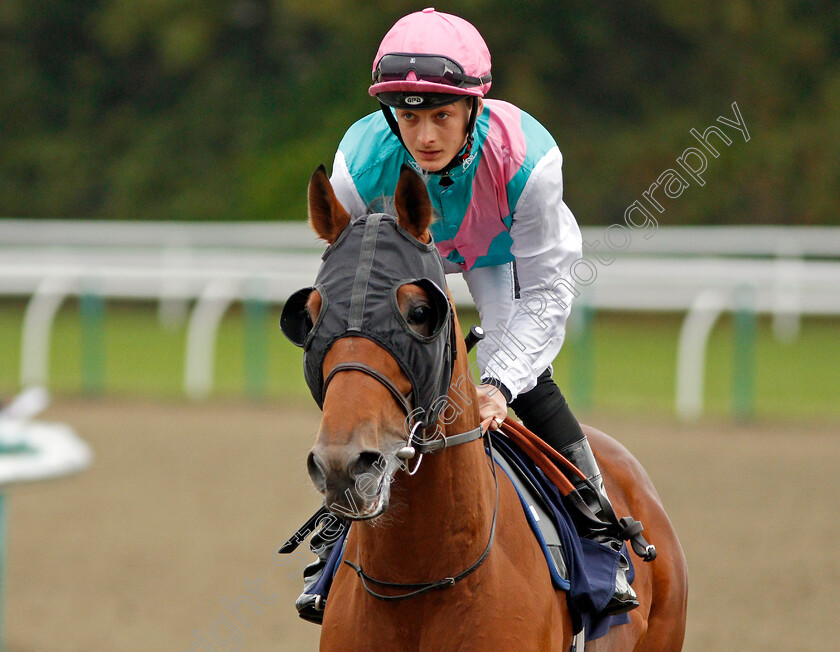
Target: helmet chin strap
point(459, 158)
point(392, 121)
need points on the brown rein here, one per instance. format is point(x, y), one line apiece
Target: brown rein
point(542, 455)
point(626, 528)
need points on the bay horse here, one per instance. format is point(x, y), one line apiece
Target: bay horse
point(455, 524)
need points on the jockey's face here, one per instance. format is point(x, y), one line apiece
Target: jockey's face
point(435, 136)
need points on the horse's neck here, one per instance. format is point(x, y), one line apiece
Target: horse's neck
point(443, 514)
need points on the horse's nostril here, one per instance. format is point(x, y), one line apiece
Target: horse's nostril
point(316, 472)
point(372, 462)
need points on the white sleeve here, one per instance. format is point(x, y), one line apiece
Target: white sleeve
point(546, 242)
point(345, 189)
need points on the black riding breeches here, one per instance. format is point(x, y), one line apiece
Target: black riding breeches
point(545, 412)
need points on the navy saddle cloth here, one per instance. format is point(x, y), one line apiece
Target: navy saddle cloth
point(583, 568)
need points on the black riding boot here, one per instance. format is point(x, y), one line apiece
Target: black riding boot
point(545, 412)
point(310, 606)
point(580, 454)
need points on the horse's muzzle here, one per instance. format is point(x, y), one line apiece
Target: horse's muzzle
point(355, 483)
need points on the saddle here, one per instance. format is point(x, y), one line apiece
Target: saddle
point(537, 508)
point(583, 568)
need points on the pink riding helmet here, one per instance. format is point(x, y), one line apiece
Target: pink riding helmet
point(434, 36)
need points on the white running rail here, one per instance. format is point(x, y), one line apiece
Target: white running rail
point(790, 271)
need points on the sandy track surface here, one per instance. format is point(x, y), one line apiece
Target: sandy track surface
point(168, 541)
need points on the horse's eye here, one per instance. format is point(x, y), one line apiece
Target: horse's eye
point(419, 315)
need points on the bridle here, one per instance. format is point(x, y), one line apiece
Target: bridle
point(413, 442)
point(417, 443)
point(417, 428)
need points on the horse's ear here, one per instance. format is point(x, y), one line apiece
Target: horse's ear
point(414, 208)
point(326, 215)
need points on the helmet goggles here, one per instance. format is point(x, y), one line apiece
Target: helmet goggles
point(426, 67)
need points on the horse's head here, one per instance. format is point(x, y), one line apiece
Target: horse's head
point(376, 329)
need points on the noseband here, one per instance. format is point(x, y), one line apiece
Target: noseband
point(417, 428)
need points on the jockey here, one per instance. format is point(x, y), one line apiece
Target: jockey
point(495, 180)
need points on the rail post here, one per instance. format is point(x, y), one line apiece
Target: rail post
point(743, 354)
point(37, 329)
point(255, 308)
point(92, 313)
point(201, 336)
point(691, 353)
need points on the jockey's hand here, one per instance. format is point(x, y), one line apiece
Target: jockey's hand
point(491, 406)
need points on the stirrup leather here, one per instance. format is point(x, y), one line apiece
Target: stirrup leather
point(606, 521)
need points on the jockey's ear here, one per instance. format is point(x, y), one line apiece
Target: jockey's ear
point(326, 215)
point(414, 208)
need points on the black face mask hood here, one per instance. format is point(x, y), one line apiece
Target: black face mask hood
point(358, 283)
